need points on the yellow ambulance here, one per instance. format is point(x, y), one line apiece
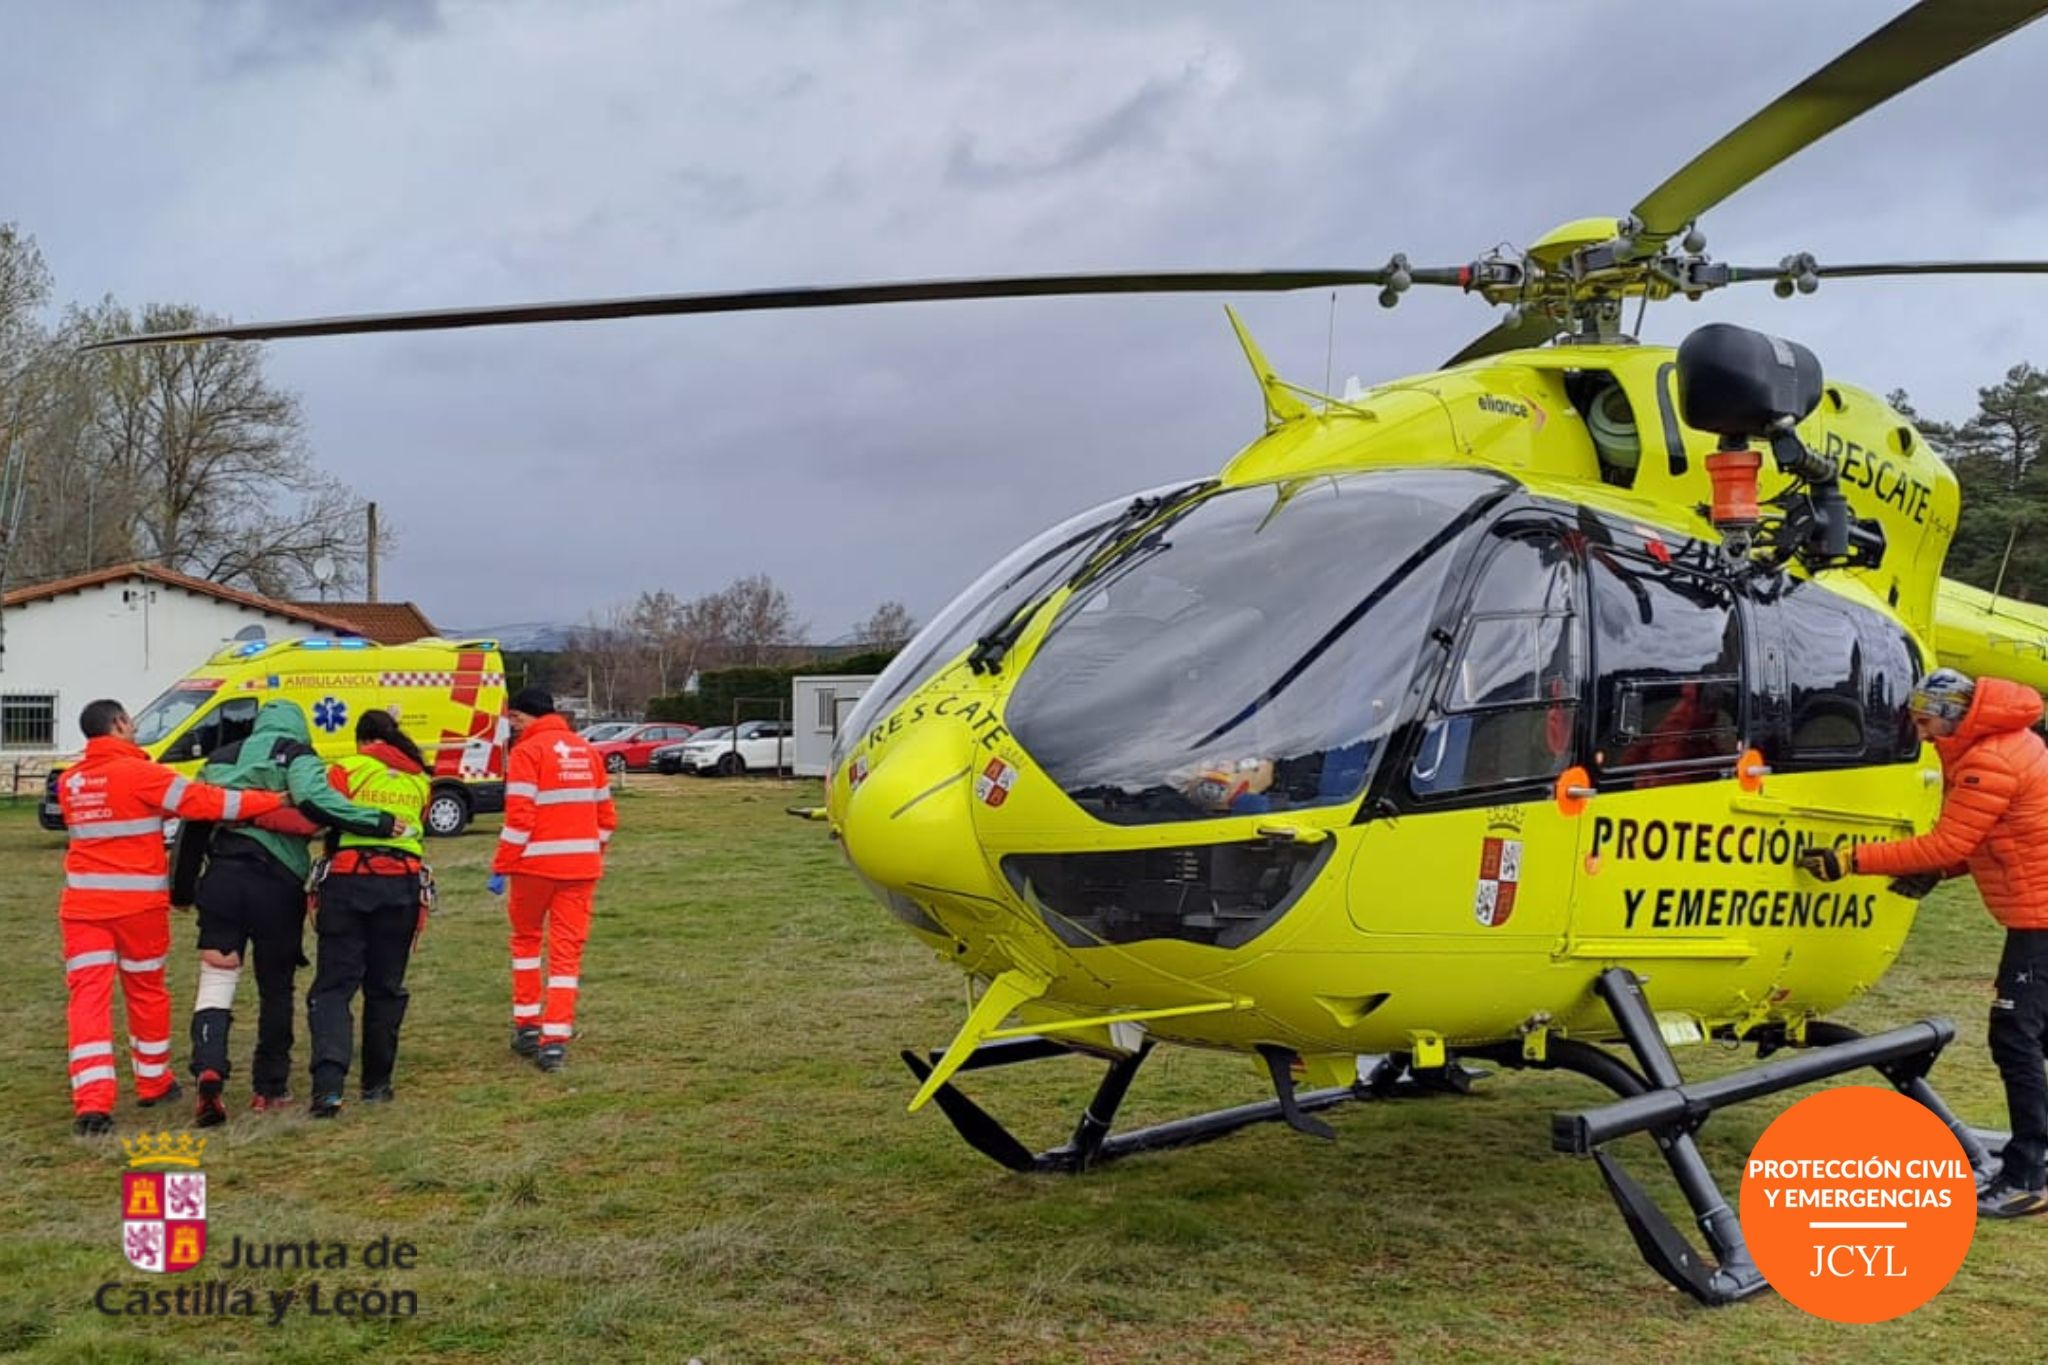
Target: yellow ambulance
point(448, 694)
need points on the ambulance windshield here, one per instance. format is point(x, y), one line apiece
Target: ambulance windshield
point(162, 717)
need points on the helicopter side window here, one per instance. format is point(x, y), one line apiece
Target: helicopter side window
point(1892, 664)
point(1847, 672)
point(1512, 699)
point(1668, 644)
point(1824, 674)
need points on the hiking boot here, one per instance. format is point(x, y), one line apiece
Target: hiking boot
point(553, 1057)
point(92, 1124)
point(211, 1113)
point(525, 1040)
point(176, 1092)
point(326, 1106)
point(2006, 1200)
point(377, 1094)
point(269, 1104)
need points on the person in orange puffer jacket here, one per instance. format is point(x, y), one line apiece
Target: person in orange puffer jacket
point(1993, 825)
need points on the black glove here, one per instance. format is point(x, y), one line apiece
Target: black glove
point(1823, 863)
point(1914, 887)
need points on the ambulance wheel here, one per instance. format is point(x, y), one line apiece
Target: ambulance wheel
point(447, 813)
point(731, 765)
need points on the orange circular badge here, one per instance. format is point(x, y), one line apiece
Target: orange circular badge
point(1858, 1204)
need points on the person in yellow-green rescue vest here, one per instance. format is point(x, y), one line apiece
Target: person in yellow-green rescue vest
point(371, 898)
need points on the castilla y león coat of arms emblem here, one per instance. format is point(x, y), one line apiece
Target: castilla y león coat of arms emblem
point(163, 1212)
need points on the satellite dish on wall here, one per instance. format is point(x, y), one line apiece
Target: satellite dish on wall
point(323, 573)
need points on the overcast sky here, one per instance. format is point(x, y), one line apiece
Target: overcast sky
point(284, 158)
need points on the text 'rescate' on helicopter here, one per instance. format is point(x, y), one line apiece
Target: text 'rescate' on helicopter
point(1449, 712)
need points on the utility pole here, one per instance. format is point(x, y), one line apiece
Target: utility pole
point(371, 575)
point(13, 497)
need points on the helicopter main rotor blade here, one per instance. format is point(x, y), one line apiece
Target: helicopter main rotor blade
point(1534, 329)
point(1756, 274)
point(1926, 38)
point(1932, 268)
point(761, 300)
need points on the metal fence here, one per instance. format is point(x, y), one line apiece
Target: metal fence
point(24, 778)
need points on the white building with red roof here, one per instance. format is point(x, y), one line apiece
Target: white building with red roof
point(126, 632)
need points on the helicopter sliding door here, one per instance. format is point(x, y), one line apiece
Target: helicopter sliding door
point(1670, 714)
point(1481, 853)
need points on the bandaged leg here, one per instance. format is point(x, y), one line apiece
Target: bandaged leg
point(213, 1010)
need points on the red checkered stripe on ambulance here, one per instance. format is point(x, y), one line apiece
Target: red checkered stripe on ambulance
point(465, 683)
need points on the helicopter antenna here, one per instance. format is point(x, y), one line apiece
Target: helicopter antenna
point(1330, 345)
point(1999, 582)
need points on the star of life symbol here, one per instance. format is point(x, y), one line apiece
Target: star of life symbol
point(992, 787)
point(76, 782)
point(563, 749)
point(1500, 873)
point(163, 1213)
point(330, 713)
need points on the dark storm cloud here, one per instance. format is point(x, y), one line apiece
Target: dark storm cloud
point(365, 158)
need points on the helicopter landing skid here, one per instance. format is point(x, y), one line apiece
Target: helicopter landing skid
point(1092, 1144)
point(1659, 1101)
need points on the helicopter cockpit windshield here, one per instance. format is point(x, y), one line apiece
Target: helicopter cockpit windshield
point(1250, 652)
point(1023, 576)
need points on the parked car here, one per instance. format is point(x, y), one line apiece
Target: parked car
point(759, 746)
point(633, 747)
point(669, 757)
point(605, 729)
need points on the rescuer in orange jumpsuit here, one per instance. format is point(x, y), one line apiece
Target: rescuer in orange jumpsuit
point(1993, 825)
point(558, 819)
point(115, 913)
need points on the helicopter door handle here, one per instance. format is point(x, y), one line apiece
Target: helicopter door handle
point(1440, 741)
point(1291, 834)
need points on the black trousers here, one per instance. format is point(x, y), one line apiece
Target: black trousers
point(244, 901)
point(365, 927)
point(2019, 1041)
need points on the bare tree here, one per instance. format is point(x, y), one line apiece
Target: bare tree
point(762, 615)
point(707, 626)
point(24, 387)
point(211, 458)
point(606, 653)
point(890, 628)
point(655, 622)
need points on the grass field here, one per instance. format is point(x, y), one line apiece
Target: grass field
point(725, 1170)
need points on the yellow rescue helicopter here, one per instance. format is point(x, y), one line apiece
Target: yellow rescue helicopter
point(1451, 712)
